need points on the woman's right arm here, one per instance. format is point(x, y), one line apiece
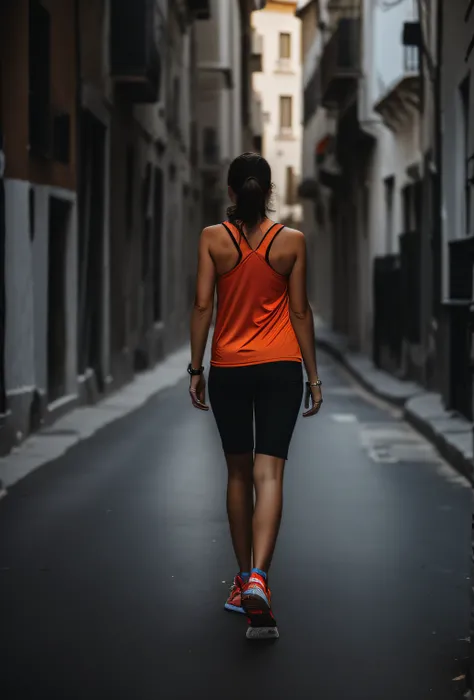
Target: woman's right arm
point(302, 316)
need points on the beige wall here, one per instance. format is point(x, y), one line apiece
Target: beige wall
point(280, 78)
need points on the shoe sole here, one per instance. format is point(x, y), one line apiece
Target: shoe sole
point(262, 624)
point(234, 608)
point(262, 633)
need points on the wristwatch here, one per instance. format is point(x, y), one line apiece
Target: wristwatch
point(318, 382)
point(195, 372)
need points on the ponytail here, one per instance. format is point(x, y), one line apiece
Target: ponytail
point(251, 206)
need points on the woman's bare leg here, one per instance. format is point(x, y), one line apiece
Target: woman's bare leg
point(240, 506)
point(268, 480)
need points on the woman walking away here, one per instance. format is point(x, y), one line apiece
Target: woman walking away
point(264, 328)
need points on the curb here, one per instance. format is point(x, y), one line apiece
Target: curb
point(457, 459)
point(461, 462)
point(53, 441)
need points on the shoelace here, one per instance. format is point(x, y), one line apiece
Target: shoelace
point(235, 586)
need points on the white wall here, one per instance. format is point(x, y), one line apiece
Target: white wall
point(388, 47)
point(395, 151)
point(19, 327)
point(273, 82)
point(456, 38)
point(26, 288)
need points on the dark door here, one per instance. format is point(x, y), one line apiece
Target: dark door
point(2, 285)
point(157, 244)
point(59, 219)
point(91, 245)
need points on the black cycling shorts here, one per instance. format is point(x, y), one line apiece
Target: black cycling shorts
point(271, 393)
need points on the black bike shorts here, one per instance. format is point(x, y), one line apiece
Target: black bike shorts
point(270, 393)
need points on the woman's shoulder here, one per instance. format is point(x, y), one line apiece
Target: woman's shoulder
point(292, 232)
point(292, 236)
point(212, 231)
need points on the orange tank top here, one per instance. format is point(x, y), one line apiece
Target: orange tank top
point(253, 323)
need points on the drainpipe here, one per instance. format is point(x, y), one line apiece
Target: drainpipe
point(438, 138)
point(80, 262)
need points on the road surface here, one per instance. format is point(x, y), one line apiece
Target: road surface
point(115, 563)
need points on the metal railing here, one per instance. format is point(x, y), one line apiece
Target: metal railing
point(411, 59)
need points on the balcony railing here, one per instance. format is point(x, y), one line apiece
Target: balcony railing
point(201, 9)
point(340, 63)
point(411, 59)
point(135, 49)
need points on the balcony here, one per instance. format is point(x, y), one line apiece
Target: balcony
point(340, 63)
point(136, 33)
point(200, 9)
point(401, 101)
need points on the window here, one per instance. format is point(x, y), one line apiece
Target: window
point(286, 113)
point(291, 186)
point(285, 45)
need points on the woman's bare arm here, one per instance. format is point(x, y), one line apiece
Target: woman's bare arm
point(300, 310)
point(204, 300)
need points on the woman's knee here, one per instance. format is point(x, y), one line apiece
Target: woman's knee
point(240, 466)
point(268, 468)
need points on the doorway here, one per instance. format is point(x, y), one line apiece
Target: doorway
point(157, 245)
point(91, 246)
point(59, 223)
point(3, 407)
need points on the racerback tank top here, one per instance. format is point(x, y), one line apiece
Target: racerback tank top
point(253, 323)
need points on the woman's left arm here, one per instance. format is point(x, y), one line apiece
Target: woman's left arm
point(204, 300)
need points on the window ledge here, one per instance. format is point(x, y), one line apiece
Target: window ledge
point(285, 136)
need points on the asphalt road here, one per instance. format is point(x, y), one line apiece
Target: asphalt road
point(115, 563)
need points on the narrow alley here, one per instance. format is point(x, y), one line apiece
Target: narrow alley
point(115, 563)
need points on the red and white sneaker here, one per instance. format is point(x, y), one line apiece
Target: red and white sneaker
point(234, 601)
point(257, 603)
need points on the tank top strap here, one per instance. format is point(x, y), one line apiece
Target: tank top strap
point(268, 238)
point(235, 235)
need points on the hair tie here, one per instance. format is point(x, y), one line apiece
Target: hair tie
point(252, 177)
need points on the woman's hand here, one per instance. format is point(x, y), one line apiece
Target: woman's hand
point(197, 391)
point(314, 395)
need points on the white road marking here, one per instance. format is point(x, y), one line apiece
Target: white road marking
point(344, 417)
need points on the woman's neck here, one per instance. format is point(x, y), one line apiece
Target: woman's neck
point(255, 229)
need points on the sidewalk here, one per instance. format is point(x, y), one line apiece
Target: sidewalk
point(54, 440)
point(451, 434)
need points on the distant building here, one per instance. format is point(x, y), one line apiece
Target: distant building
point(277, 84)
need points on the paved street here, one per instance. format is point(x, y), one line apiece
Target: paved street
point(115, 562)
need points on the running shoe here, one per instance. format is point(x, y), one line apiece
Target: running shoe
point(257, 603)
point(234, 601)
